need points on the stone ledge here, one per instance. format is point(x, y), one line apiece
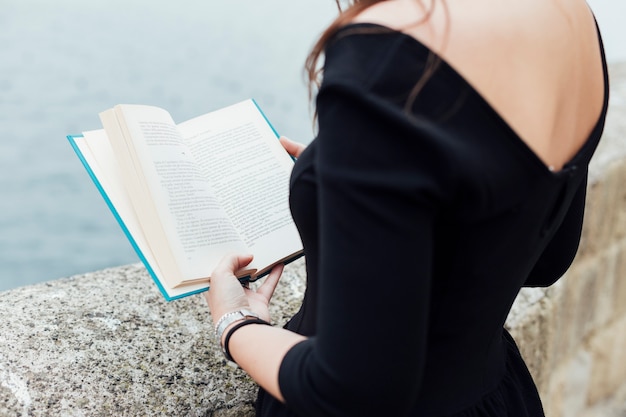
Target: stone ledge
point(107, 343)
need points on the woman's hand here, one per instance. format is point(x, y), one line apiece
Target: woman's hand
point(258, 349)
point(226, 293)
point(293, 148)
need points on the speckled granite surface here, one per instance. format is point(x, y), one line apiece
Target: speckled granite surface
point(106, 343)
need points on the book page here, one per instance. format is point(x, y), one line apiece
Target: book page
point(97, 151)
point(197, 228)
point(248, 169)
point(97, 155)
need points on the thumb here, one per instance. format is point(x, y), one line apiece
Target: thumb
point(231, 264)
point(290, 146)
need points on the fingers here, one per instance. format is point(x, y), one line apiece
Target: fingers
point(271, 281)
point(293, 148)
point(226, 294)
point(231, 264)
point(225, 291)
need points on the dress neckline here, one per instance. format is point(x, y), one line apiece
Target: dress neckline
point(588, 145)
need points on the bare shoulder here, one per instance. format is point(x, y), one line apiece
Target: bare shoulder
point(440, 22)
point(395, 14)
point(537, 62)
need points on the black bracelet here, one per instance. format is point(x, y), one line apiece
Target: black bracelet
point(233, 329)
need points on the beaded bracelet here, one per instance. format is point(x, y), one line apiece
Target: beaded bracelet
point(233, 329)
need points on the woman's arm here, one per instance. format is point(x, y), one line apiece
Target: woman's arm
point(257, 349)
point(377, 204)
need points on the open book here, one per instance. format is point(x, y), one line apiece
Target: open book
point(187, 194)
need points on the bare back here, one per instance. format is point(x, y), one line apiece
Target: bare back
point(537, 62)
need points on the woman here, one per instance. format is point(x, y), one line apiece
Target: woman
point(449, 171)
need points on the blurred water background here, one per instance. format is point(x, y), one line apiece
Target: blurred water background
point(62, 62)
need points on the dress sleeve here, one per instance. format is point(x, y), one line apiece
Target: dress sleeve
point(380, 185)
point(561, 251)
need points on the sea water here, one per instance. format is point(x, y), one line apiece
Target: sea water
point(62, 62)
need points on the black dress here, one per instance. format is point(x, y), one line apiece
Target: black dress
point(419, 231)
